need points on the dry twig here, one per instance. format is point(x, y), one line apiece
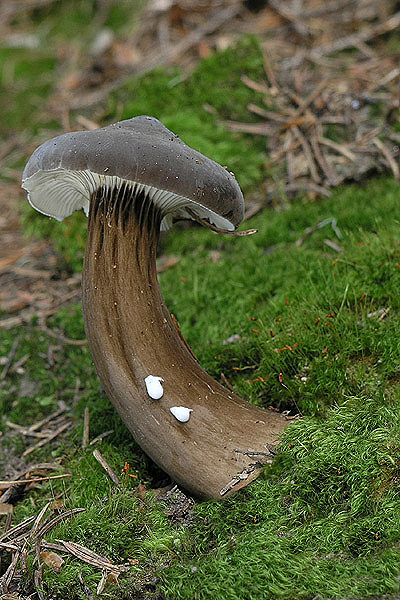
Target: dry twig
point(86, 421)
point(110, 472)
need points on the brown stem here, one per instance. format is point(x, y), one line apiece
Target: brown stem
point(131, 335)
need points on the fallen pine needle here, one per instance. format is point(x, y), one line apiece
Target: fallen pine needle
point(90, 557)
point(32, 480)
point(46, 440)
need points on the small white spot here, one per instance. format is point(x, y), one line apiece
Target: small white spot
point(154, 386)
point(181, 413)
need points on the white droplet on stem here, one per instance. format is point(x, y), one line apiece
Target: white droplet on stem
point(181, 413)
point(154, 386)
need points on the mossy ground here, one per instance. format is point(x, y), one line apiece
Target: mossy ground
point(324, 520)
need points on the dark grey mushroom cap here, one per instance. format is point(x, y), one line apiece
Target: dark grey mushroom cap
point(141, 150)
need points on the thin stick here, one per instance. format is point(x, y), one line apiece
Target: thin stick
point(46, 440)
point(33, 480)
point(325, 167)
point(99, 437)
point(270, 72)
point(386, 153)
point(287, 146)
point(86, 423)
point(110, 472)
point(61, 338)
point(338, 147)
point(226, 382)
point(307, 101)
point(10, 358)
point(307, 153)
point(47, 419)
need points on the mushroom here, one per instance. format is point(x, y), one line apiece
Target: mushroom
point(133, 179)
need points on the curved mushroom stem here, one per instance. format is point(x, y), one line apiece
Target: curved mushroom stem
point(226, 440)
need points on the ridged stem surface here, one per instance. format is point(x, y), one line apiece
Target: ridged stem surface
point(131, 335)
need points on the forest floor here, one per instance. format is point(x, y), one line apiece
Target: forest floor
point(303, 106)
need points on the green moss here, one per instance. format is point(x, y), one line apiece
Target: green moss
point(30, 76)
point(314, 527)
point(117, 523)
point(278, 297)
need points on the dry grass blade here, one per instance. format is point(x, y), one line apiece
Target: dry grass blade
point(85, 586)
point(307, 186)
point(51, 546)
point(333, 245)
point(307, 153)
point(330, 221)
point(331, 177)
point(38, 581)
point(102, 583)
point(9, 546)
